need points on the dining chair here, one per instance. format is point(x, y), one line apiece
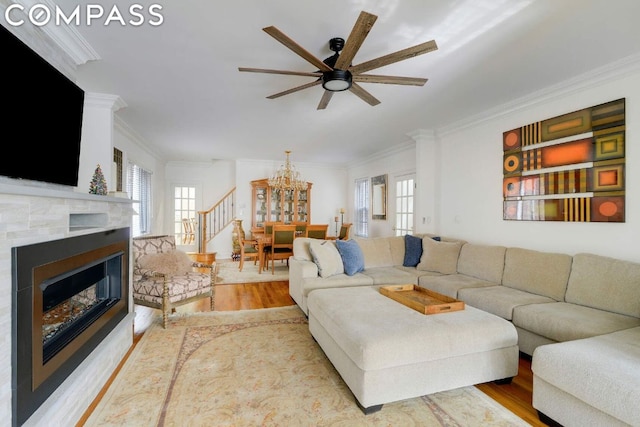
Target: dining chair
point(344, 233)
point(248, 250)
point(301, 228)
point(188, 233)
point(268, 233)
point(281, 243)
point(317, 231)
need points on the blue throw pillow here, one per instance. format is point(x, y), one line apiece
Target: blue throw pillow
point(412, 250)
point(352, 256)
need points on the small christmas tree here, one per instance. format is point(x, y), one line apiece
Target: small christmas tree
point(98, 183)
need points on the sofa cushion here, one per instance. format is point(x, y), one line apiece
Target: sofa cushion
point(450, 284)
point(561, 321)
point(412, 250)
point(391, 276)
point(605, 283)
point(599, 371)
point(326, 257)
point(441, 257)
point(396, 245)
point(500, 300)
point(542, 273)
point(482, 261)
point(335, 281)
point(377, 252)
point(301, 248)
point(352, 257)
point(170, 263)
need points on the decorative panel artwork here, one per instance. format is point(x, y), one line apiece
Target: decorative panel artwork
point(567, 168)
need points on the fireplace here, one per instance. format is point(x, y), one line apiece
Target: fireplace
point(68, 294)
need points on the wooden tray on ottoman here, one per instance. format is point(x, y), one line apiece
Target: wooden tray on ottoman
point(421, 299)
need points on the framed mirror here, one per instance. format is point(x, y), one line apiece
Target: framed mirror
point(379, 197)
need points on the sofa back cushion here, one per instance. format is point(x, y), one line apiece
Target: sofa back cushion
point(376, 251)
point(396, 245)
point(605, 283)
point(301, 248)
point(326, 256)
point(439, 256)
point(541, 273)
point(482, 261)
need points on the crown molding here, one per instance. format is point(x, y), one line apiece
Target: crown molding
point(103, 100)
point(65, 36)
point(599, 76)
point(395, 149)
point(128, 132)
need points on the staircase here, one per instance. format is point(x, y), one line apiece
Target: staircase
point(215, 219)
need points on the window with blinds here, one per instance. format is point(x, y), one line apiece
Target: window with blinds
point(361, 221)
point(139, 189)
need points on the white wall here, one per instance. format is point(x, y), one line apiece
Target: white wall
point(136, 150)
point(394, 162)
point(471, 183)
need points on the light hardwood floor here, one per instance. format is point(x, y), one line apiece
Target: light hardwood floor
point(515, 396)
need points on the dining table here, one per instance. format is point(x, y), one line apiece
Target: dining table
point(264, 240)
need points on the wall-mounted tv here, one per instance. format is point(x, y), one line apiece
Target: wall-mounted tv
point(41, 119)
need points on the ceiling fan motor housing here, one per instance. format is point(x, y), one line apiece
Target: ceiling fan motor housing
point(336, 80)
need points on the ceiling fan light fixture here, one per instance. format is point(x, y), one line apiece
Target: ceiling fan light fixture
point(336, 80)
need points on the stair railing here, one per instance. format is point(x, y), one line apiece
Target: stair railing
point(214, 220)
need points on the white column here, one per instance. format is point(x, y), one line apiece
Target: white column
point(97, 138)
point(427, 201)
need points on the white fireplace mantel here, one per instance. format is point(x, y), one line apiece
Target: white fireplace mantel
point(32, 214)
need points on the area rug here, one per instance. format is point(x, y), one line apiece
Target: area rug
point(260, 368)
point(228, 272)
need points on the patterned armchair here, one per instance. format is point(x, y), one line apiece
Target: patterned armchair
point(164, 278)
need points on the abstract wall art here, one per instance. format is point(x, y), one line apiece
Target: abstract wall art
point(567, 168)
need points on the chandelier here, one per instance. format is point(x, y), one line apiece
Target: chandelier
point(287, 177)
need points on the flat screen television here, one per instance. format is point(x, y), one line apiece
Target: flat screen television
point(41, 119)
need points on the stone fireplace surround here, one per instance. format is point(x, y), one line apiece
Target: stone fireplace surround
point(34, 214)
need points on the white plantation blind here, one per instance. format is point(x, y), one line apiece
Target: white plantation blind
point(361, 223)
point(139, 189)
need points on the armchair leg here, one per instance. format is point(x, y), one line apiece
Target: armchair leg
point(165, 304)
point(214, 275)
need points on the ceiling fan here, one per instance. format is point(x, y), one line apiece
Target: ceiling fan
point(336, 73)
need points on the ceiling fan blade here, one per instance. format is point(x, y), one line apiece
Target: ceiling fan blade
point(324, 101)
point(394, 80)
point(359, 32)
point(296, 48)
point(394, 57)
point(295, 89)
point(363, 94)
point(290, 73)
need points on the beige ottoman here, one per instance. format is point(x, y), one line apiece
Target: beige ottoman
point(387, 352)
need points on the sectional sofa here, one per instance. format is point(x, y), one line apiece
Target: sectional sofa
point(577, 316)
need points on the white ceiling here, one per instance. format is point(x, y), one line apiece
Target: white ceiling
point(187, 99)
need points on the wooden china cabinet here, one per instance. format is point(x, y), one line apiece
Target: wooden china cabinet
point(271, 204)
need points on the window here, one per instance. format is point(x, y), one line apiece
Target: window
point(361, 223)
point(404, 205)
point(184, 213)
point(139, 189)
